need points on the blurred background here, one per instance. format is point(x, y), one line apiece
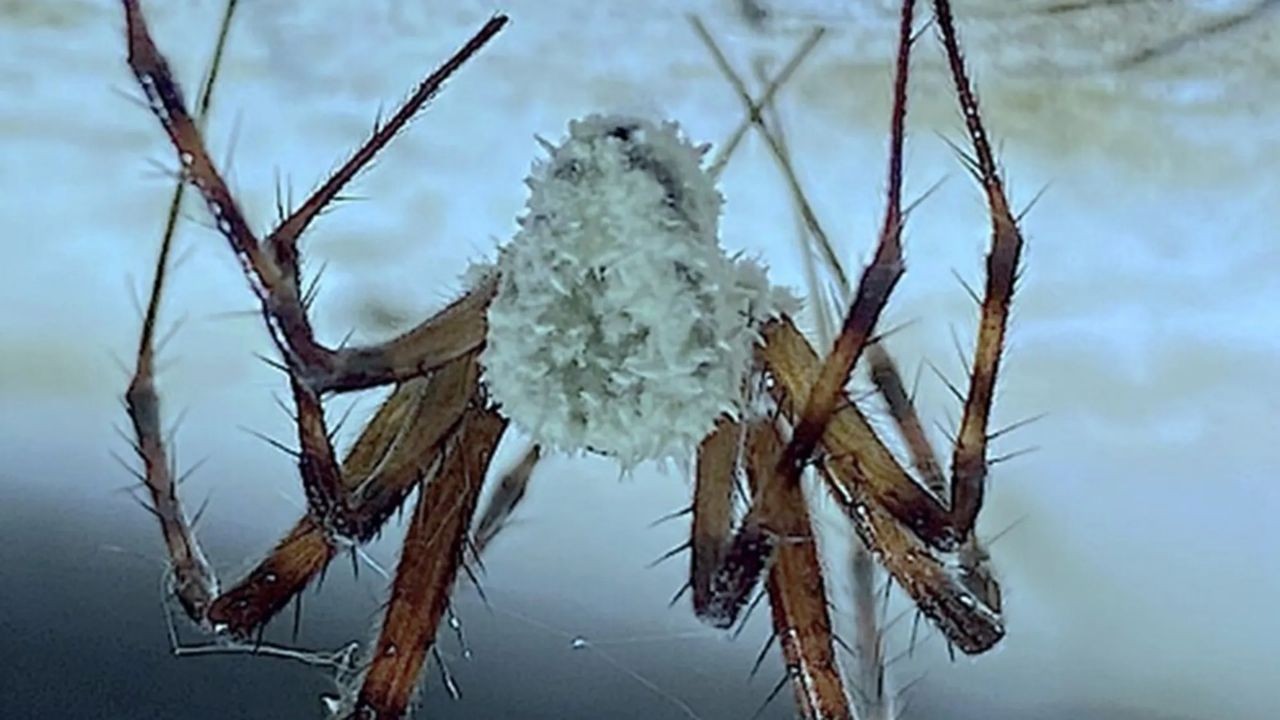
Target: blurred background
point(1139, 566)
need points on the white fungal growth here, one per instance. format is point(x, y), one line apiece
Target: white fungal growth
point(620, 326)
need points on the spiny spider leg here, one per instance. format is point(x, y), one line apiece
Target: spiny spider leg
point(797, 591)
point(906, 523)
point(935, 590)
point(883, 370)
point(194, 581)
point(793, 365)
point(775, 537)
point(888, 382)
point(891, 512)
point(429, 563)
point(972, 559)
point(435, 418)
point(972, 617)
point(506, 497)
point(398, 448)
point(717, 598)
point(968, 622)
point(459, 328)
point(866, 671)
point(725, 569)
point(725, 565)
point(272, 270)
point(969, 460)
point(877, 283)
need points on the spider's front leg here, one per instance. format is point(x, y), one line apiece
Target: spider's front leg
point(436, 426)
point(970, 617)
point(912, 532)
point(969, 459)
point(272, 268)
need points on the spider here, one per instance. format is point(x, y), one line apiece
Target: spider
point(786, 411)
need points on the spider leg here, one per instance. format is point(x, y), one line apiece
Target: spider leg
point(969, 459)
point(194, 581)
point(506, 497)
point(877, 282)
point(797, 592)
point(725, 564)
point(438, 409)
point(272, 269)
point(849, 436)
point(456, 330)
point(888, 382)
point(284, 239)
point(904, 533)
point(713, 520)
point(883, 370)
point(293, 563)
point(429, 563)
point(924, 511)
point(825, 392)
point(399, 446)
point(775, 537)
point(894, 515)
point(943, 594)
point(865, 478)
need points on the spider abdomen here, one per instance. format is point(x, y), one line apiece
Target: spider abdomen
point(620, 325)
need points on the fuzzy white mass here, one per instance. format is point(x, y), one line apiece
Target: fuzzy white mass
point(620, 326)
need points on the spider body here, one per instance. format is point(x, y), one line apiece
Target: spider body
point(730, 374)
point(619, 324)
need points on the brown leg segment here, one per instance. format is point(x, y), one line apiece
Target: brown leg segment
point(400, 444)
point(194, 582)
point(272, 270)
point(713, 521)
point(877, 283)
point(292, 564)
point(792, 364)
point(776, 538)
point(888, 382)
point(968, 621)
point(429, 563)
point(797, 592)
point(396, 450)
point(969, 461)
point(505, 499)
point(894, 515)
